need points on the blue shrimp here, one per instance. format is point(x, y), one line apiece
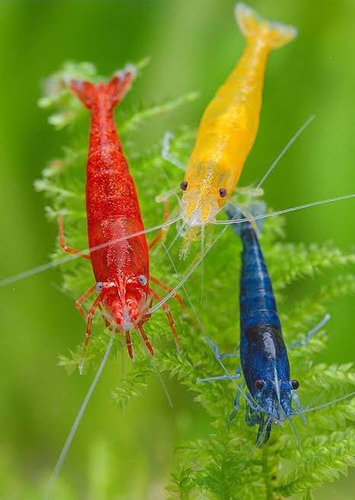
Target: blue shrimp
point(263, 353)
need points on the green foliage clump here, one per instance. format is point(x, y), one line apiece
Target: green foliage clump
point(225, 463)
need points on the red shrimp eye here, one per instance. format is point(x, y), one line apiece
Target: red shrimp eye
point(184, 185)
point(295, 384)
point(99, 286)
point(260, 384)
point(223, 192)
point(142, 279)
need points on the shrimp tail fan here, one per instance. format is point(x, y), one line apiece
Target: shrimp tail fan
point(111, 92)
point(255, 211)
point(273, 34)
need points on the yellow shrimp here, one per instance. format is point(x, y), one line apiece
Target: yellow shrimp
point(229, 124)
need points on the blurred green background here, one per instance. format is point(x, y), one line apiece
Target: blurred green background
point(193, 44)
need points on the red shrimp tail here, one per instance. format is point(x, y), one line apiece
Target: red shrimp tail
point(85, 91)
point(120, 83)
point(114, 90)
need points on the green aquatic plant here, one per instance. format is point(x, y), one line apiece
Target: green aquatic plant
point(222, 463)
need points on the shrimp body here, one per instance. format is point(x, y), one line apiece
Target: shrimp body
point(120, 263)
point(112, 207)
point(230, 122)
point(263, 352)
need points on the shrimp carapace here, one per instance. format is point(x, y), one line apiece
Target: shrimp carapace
point(230, 122)
point(120, 262)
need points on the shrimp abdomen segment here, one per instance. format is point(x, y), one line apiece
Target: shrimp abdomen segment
point(118, 256)
point(257, 301)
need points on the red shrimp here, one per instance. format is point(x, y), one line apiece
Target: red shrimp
point(120, 265)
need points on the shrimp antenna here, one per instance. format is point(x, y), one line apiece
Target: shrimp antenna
point(326, 405)
point(242, 221)
point(186, 277)
point(185, 291)
point(73, 430)
point(285, 149)
point(202, 328)
point(202, 266)
point(50, 265)
point(164, 387)
point(294, 431)
point(286, 210)
point(178, 233)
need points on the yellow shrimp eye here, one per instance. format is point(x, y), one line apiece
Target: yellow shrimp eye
point(259, 384)
point(222, 192)
point(184, 185)
point(295, 384)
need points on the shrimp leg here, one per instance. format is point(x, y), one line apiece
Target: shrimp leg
point(223, 377)
point(81, 299)
point(220, 356)
point(297, 401)
point(129, 344)
point(167, 311)
point(311, 333)
point(167, 288)
point(216, 352)
point(90, 316)
point(62, 241)
point(161, 235)
point(146, 340)
point(166, 155)
point(236, 404)
point(106, 321)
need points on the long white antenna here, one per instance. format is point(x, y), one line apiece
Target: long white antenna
point(202, 328)
point(285, 149)
point(69, 440)
point(326, 405)
point(50, 265)
point(286, 210)
point(241, 221)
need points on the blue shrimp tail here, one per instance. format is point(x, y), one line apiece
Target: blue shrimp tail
point(257, 209)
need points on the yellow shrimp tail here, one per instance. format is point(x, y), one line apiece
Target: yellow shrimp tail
point(273, 34)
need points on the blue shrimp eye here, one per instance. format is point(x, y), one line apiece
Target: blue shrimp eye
point(295, 384)
point(223, 192)
point(184, 185)
point(142, 279)
point(260, 384)
point(99, 286)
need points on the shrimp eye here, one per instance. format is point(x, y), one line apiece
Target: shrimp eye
point(99, 286)
point(142, 279)
point(222, 192)
point(260, 384)
point(295, 384)
point(184, 185)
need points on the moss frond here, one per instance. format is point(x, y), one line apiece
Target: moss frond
point(224, 463)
